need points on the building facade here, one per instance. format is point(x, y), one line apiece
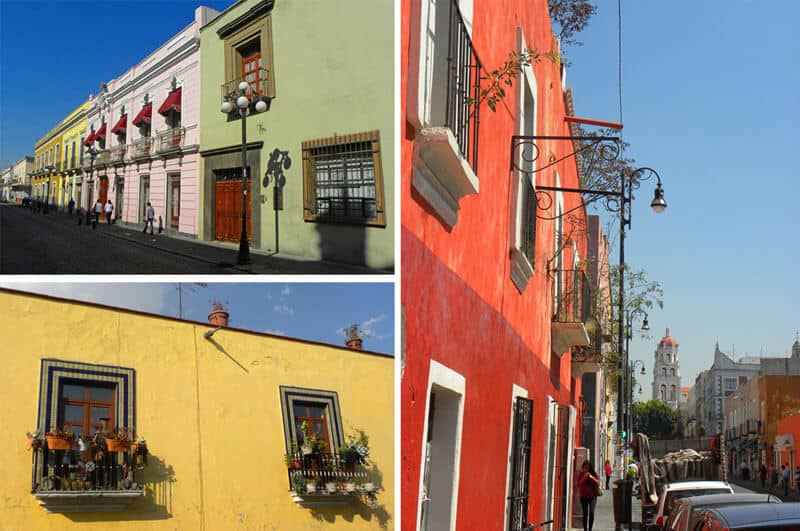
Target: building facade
point(21, 179)
point(491, 290)
point(70, 173)
point(667, 372)
point(220, 409)
point(320, 159)
point(5, 185)
point(145, 126)
point(721, 380)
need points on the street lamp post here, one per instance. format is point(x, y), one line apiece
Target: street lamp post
point(92, 151)
point(629, 394)
point(629, 398)
point(243, 104)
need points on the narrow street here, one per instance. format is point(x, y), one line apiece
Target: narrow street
point(54, 243)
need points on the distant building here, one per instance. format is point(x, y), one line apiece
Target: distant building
point(666, 372)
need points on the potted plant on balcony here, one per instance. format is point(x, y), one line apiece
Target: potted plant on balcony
point(355, 451)
point(300, 483)
point(34, 440)
point(119, 440)
point(292, 459)
point(58, 439)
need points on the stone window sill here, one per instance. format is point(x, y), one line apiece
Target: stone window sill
point(87, 501)
point(521, 270)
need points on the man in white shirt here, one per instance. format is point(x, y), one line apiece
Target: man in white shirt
point(149, 216)
point(109, 208)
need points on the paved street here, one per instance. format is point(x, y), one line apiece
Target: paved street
point(35, 243)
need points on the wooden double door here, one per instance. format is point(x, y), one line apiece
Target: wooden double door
point(228, 208)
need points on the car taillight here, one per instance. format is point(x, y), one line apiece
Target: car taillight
point(660, 521)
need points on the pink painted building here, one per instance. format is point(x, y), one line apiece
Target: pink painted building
point(146, 125)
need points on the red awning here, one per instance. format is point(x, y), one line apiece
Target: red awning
point(121, 125)
point(100, 133)
point(144, 115)
point(173, 101)
point(90, 139)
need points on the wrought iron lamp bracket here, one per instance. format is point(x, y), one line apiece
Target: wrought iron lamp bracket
point(526, 149)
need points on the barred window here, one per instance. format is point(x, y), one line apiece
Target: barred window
point(344, 180)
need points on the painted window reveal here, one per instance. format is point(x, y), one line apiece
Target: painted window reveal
point(343, 179)
point(317, 411)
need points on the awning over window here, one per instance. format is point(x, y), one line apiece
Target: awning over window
point(144, 115)
point(100, 133)
point(173, 101)
point(121, 125)
point(90, 139)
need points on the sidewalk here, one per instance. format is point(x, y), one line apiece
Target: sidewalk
point(755, 486)
point(604, 514)
point(221, 254)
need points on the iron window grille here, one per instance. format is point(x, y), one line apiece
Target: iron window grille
point(520, 464)
point(528, 242)
point(344, 180)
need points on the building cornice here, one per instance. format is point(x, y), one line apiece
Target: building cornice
point(261, 10)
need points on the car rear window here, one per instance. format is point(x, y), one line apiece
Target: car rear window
point(675, 495)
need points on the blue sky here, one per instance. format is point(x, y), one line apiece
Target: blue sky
point(316, 311)
point(77, 46)
point(711, 101)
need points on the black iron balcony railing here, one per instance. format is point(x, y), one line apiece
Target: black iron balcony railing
point(574, 296)
point(256, 79)
point(327, 473)
point(171, 139)
point(117, 153)
point(463, 87)
point(142, 147)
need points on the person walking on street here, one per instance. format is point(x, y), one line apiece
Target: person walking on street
point(797, 480)
point(98, 211)
point(70, 206)
point(149, 216)
point(608, 473)
point(785, 479)
point(109, 208)
point(588, 491)
point(762, 474)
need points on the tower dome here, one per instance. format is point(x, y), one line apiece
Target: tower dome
point(667, 340)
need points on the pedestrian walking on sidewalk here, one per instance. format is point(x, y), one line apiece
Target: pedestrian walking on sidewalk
point(70, 206)
point(762, 474)
point(98, 211)
point(149, 216)
point(797, 480)
point(588, 491)
point(608, 473)
point(785, 479)
point(109, 209)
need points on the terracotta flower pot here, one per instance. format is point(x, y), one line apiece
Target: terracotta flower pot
point(57, 443)
point(295, 463)
point(115, 445)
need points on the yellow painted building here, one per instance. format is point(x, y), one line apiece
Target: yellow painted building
point(74, 129)
point(54, 172)
point(218, 409)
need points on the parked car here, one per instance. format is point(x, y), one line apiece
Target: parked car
point(751, 517)
point(675, 491)
point(686, 512)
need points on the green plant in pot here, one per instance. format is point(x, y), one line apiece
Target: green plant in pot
point(291, 458)
point(355, 451)
point(300, 484)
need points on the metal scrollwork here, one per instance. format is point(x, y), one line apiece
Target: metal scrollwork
point(525, 150)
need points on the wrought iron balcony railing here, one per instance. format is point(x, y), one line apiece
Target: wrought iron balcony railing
point(117, 153)
point(257, 79)
point(171, 139)
point(142, 148)
point(463, 87)
point(574, 296)
point(327, 473)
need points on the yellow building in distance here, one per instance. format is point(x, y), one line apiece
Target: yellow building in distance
point(54, 172)
point(219, 408)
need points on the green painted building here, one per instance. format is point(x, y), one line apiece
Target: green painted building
point(326, 70)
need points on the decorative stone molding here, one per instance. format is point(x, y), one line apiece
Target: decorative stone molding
point(442, 175)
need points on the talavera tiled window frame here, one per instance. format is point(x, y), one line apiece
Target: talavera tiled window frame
point(54, 372)
point(330, 399)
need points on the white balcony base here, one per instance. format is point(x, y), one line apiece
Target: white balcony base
point(320, 499)
point(566, 335)
point(87, 501)
point(442, 176)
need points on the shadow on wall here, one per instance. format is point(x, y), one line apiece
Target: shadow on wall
point(156, 504)
point(360, 507)
point(342, 243)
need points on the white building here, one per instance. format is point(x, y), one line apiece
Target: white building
point(666, 372)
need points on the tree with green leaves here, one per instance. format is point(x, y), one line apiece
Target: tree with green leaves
point(655, 419)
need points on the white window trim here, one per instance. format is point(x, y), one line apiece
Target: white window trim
point(521, 268)
point(441, 175)
point(516, 392)
point(552, 420)
point(451, 380)
point(570, 458)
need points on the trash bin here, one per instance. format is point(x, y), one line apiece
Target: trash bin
point(622, 492)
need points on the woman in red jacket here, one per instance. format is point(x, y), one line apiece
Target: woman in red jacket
point(588, 488)
point(608, 473)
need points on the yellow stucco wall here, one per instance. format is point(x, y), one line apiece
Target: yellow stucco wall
point(213, 427)
point(75, 130)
